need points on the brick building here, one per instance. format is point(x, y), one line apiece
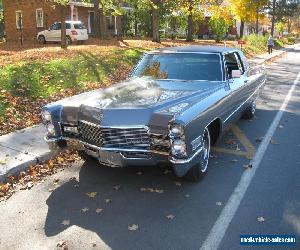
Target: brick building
point(28, 17)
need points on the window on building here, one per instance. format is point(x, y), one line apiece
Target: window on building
point(19, 20)
point(110, 22)
point(39, 18)
point(75, 14)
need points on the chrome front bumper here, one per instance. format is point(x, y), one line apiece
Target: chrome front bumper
point(130, 157)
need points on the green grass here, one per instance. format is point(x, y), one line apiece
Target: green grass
point(39, 79)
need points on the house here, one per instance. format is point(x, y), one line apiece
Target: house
point(25, 18)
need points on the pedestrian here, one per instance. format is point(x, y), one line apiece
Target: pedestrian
point(270, 44)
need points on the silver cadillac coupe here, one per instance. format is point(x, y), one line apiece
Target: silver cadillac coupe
point(175, 104)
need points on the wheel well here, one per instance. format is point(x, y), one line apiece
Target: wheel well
point(214, 129)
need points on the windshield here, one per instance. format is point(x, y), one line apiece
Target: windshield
point(180, 66)
point(79, 26)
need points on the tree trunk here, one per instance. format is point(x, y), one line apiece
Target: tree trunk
point(190, 31)
point(273, 17)
point(135, 25)
point(155, 26)
point(97, 18)
point(289, 25)
point(242, 28)
point(102, 24)
point(256, 24)
point(63, 27)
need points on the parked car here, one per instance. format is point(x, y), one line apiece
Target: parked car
point(75, 32)
point(172, 108)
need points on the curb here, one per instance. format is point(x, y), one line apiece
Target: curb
point(15, 170)
point(21, 149)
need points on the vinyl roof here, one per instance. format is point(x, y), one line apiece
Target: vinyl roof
point(195, 48)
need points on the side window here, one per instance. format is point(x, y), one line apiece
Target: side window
point(239, 61)
point(56, 26)
point(231, 64)
point(19, 20)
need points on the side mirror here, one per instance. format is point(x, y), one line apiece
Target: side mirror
point(236, 73)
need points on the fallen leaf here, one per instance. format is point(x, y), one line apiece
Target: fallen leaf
point(2, 162)
point(248, 166)
point(177, 183)
point(231, 142)
point(66, 222)
point(76, 186)
point(117, 187)
point(260, 219)
point(84, 209)
point(51, 189)
point(249, 157)
point(187, 196)
point(107, 200)
point(99, 210)
point(30, 185)
point(167, 171)
point(91, 194)
point(234, 160)
point(281, 126)
point(259, 139)
point(62, 244)
point(213, 156)
point(139, 173)
point(56, 180)
point(73, 179)
point(133, 227)
point(274, 142)
point(170, 216)
point(152, 190)
point(93, 244)
point(219, 203)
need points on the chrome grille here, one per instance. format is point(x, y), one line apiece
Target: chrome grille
point(120, 138)
point(90, 133)
point(131, 138)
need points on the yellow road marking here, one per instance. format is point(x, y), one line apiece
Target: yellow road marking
point(250, 149)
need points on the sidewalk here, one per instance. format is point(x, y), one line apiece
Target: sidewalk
point(26, 147)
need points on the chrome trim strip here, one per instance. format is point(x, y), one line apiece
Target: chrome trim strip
point(106, 149)
point(245, 101)
point(188, 160)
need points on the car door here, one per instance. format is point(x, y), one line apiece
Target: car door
point(53, 32)
point(236, 85)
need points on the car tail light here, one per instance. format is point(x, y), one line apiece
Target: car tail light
point(74, 32)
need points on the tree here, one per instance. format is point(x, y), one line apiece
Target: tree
point(62, 4)
point(280, 28)
point(220, 21)
point(259, 6)
point(243, 10)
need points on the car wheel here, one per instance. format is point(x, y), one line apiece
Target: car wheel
point(200, 169)
point(68, 40)
point(250, 111)
point(42, 39)
point(84, 156)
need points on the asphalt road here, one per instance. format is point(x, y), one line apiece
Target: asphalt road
point(212, 213)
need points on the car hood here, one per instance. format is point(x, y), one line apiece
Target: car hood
point(142, 93)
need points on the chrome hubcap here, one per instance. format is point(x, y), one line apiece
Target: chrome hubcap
point(253, 107)
point(205, 151)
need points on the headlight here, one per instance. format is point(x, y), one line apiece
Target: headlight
point(176, 131)
point(179, 148)
point(72, 130)
point(50, 129)
point(46, 116)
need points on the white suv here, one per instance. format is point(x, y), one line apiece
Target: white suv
point(75, 32)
